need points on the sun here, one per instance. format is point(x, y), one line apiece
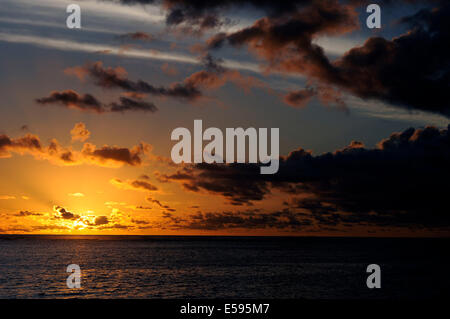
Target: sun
point(78, 225)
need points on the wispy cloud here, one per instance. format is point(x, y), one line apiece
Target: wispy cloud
point(134, 53)
point(76, 194)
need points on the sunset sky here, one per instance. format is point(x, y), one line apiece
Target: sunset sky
point(87, 114)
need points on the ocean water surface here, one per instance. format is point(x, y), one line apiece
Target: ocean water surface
point(222, 267)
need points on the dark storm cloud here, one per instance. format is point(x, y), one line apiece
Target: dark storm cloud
point(401, 182)
point(200, 15)
point(28, 143)
point(135, 184)
point(410, 71)
point(132, 2)
point(140, 222)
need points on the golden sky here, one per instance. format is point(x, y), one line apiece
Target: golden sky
point(87, 115)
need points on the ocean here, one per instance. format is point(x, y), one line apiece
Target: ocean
point(222, 267)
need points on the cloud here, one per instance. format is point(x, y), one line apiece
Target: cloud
point(25, 213)
point(127, 104)
point(141, 36)
point(62, 213)
point(326, 94)
point(76, 194)
point(213, 76)
point(199, 16)
point(282, 220)
point(161, 205)
point(133, 53)
point(299, 98)
point(73, 100)
point(288, 37)
point(80, 132)
point(379, 69)
point(140, 222)
point(48, 227)
point(401, 182)
point(115, 155)
point(88, 103)
point(117, 78)
point(27, 143)
point(382, 69)
point(138, 185)
point(97, 222)
point(216, 75)
point(235, 182)
point(109, 156)
point(116, 226)
point(101, 220)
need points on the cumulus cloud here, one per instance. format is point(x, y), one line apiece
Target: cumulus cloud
point(128, 104)
point(168, 69)
point(400, 182)
point(109, 156)
point(80, 132)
